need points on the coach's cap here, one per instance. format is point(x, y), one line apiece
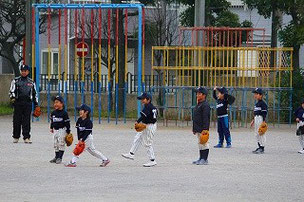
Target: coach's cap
point(145, 96)
point(201, 90)
point(59, 98)
point(222, 90)
point(84, 107)
point(24, 67)
point(258, 91)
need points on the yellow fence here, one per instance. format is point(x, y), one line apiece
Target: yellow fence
point(222, 66)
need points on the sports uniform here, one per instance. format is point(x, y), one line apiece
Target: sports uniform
point(22, 94)
point(201, 122)
point(222, 117)
point(260, 113)
point(299, 113)
point(84, 133)
point(60, 125)
point(145, 137)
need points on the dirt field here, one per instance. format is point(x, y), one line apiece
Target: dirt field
point(232, 174)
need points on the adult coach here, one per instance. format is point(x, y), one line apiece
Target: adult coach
point(201, 122)
point(22, 94)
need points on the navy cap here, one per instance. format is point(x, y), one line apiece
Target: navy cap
point(201, 90)
point(59, 98)
point(222, 90)
point(258, 91)
point(84, 107)
point(145, 96)
point(24, 67)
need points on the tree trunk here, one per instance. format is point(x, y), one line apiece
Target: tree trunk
point(275, 25)
point(296, 57)
point(9, 55)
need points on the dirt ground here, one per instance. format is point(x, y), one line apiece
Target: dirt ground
point(232, 174)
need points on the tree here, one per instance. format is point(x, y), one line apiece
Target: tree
point(12, 31)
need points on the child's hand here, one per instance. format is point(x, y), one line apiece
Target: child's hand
point(297, 120)
point(52, 130)
point(215, 87)
point(251, 124)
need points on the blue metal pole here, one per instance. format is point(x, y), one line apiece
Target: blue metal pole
point(37, 55)
point(65, 95)
point(109, 101)
point(116, 102)
point(99, 102)
point(125, 101)
point(92, 100)
point(75, 99)
point(82, 92)
point(139, 66)
point(48, 100)
point(290, 106)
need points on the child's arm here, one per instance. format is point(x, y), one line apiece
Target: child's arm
point(66, 120)
point(264, 112)
point(51, 125)
point(229, 98)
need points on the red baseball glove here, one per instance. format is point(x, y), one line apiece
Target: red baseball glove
point(79, 148)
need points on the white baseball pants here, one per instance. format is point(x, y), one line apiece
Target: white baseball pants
point(261, 139)
point(145, 137)
point(89, 146)
point(59, 139)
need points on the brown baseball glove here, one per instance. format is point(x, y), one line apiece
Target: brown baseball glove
point(263, 128)
point(68, 139)
point(204, 137)
point(37, 112)
point(140, 127)
point(79, 148)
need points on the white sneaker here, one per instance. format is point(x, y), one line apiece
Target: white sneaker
point(28, 141)
point(128, 156)
point(301, 151)
point(15, 140)
point(150, 164)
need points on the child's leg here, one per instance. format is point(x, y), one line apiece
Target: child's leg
point(261, 139)
point(220, 130)
point(56, 142)
point(91, 149)
point(226, 130)
point(148, 135)
point(136, 142)
point(301, 140)
point(61, 142)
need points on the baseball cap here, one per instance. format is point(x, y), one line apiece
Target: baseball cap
point(222, 90)
point(59, 98)
point(201, 90)
point(258, 91)
point(84, 107)
point(24, 67)
point(145, 96)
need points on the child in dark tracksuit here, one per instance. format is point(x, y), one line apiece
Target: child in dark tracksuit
point(299, 113)
point(222, 101)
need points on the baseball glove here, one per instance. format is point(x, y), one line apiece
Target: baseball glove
point(68, 139)
point(79, 148)
point(204, 137)
point(140, 127)
point(263, 128)
point(37, 112)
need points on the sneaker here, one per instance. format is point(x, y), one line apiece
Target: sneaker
point(70, 164)
point(301, 151)
point(105, 163)
point(150, 164)
point(15, 140)
point(195, 162)
point(218, 145)
point(128, 156)
point(53, 160)
point(202, 162)
point(228, 146)
point(258, 151)
point(58, 161)
point(28, 141)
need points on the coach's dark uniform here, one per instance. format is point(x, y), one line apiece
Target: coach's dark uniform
point(22, 94)
point(201, 121)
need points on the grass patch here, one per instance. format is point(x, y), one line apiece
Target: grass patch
point(6, 109)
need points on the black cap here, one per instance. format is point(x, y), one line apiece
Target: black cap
point(59, 98)
point(201, 90)
point(84, 107)
point(24, 67)
point(222, 90)
point(145, 96)
point(258, 91)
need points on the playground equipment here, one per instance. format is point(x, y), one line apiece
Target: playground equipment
point(96, 12)
point(241, 69)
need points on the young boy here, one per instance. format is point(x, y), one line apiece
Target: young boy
point(299, 113)
point(260, 113)
point(148, 117)
point(222, 101)
point(84, 132)
point(201, 123)
point(60, 126)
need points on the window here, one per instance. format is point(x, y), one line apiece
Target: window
point(54, 63)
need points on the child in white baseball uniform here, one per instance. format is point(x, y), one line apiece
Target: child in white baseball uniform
point(299, 113)
point(84, 132)
point(145, 137)
point(260, 113)
point(60, 126)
